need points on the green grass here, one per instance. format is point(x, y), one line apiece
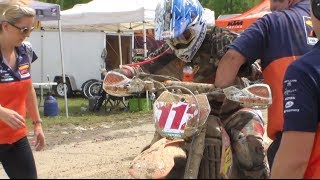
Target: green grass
point(78, 116)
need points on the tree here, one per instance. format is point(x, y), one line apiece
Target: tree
point(221, 7)
point(66, 4)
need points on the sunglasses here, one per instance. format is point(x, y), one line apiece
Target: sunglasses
point(23, 30)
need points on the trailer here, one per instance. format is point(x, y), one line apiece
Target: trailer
point(82, 58)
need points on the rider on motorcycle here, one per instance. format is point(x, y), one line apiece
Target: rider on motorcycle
point(182, 25)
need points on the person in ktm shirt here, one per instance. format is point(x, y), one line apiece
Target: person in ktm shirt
point(17, 95)
point(299, 152)
point(278, 38)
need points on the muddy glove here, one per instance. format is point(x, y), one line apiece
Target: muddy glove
point(246, 130)
point(252, 72)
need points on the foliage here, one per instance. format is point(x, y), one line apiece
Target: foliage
point(66, 4)
point(221, 7)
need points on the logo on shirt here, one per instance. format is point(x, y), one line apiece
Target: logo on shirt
point(6, 77)
point(24, 70)
point(289, 104)
point(23, 67)
point(290, 82)
point(290, 92)
point(310, 35)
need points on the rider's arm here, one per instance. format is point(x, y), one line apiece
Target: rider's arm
point(228, 68)
point(300, 123)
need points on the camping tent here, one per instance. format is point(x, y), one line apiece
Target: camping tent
point(242, 21)
point(110, 15)
point(51, 12)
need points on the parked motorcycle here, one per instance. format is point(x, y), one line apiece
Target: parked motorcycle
point(190, 140)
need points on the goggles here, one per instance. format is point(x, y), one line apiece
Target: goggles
point(23, 30)
point(183, 40)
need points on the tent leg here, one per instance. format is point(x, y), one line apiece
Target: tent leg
point(144, 39)
point(41, 87)
point(63, 73)
point(120, 50)
point(132, 49)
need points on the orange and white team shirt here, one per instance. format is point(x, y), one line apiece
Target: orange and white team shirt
point(14, 88)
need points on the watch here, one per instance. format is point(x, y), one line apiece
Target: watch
point(37, 122)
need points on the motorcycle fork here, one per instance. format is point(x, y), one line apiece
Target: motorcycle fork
point(195, 154)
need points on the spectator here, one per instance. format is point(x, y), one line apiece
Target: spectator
point(278, 39)
point(17, 93)
point(298, 154)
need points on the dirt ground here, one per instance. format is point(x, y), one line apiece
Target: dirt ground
point(102, 150)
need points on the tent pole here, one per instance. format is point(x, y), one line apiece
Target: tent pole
point(41, 87)
point(63, 74)
point(120, 50)
point(144, 39)
point(132, 49)
point(145, 54)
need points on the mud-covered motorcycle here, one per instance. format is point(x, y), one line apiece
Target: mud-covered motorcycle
point(190, 141)
point(201, 131)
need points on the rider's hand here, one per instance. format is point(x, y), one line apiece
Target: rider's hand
point(39, 137)
point(12, 118)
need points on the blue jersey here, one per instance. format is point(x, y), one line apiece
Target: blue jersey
point(301, 102)
point(277, 39)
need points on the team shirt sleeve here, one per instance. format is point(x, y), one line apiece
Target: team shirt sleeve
point(253, 40)
point(300, 101)
point(34, 56)
point(31, 54)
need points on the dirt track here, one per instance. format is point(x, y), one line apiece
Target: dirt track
point(99, 151)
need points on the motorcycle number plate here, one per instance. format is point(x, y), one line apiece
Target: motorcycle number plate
point(174, 113)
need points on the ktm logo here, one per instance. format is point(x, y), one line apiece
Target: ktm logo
point(235, 23)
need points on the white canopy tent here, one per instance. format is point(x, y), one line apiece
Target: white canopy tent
point(110, 16)
point(51, 12)
point(114, 16)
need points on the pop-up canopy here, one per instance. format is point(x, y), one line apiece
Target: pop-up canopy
point(110, 15)
point(46, 11)
point(241, 22)
point(113, 16)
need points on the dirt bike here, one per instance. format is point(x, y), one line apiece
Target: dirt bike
point(190, 142)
